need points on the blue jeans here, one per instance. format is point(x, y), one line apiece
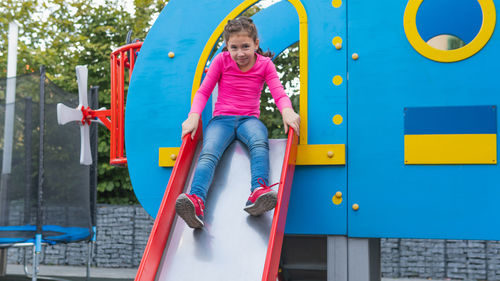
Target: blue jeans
point(220, 132)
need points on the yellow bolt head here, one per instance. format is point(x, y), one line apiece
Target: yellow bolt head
point(337, 40)
point(329, 154)
point(338, 46)
point(171, 54)
point(337, 119)
point(355, 207)
point(355, 56)
point(173, 157)
point(338, 194)
point(336, 3)
point(337, 80)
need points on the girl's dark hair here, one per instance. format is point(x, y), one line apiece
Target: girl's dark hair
point(244, 24)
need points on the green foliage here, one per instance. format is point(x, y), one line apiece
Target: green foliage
point(287, 65)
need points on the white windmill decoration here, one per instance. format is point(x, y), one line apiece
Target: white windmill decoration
point(82, 114)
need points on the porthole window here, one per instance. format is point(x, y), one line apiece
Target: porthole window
point(449, 30)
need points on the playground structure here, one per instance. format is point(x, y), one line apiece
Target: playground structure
point(398, 136)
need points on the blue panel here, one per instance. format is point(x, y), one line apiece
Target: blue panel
point(450, 120)
point(406, 201)
point(460, 18)
point(311, 210)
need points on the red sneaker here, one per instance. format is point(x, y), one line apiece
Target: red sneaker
point(262, 199)
point(190, 209)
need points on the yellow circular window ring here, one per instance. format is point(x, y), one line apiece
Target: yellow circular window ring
point(484, 35)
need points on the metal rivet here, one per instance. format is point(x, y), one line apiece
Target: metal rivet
point(338, 46)
point(355, 207)
point(173, 157)
point(355, 56)
point(329, 154)
point(171, 54)
point(338, 194)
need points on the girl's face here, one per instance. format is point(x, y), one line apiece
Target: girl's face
point(242, 49)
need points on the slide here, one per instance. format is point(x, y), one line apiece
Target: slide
point(233, 245)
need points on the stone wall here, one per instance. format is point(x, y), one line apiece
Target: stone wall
point(455, 259)
point(123, 231)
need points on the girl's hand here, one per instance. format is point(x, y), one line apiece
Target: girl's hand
point(190, 125)
point(290, 118)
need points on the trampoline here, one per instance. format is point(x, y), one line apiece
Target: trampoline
point(46, 196)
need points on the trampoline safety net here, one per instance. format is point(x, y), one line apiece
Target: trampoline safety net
point(63, 203)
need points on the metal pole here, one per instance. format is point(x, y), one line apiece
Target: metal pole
point(41, 177)
point(94, 103)
point(8, 132)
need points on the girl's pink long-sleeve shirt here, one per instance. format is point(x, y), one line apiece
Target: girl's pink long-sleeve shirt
point(239, 92)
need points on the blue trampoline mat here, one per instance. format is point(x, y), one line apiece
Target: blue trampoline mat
point(51, 234)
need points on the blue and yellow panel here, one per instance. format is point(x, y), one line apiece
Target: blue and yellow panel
point(448, 96)
point(450, 135)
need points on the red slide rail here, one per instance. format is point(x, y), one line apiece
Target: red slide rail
point(166, 214)
point(271, 264)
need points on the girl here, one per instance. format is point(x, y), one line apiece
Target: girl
point(240, 70)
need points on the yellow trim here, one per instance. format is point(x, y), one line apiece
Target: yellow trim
point(318, 154)
point(451, 149)
point(303, 60)
point(484, 35)
point(167, 156)
point(321, 154)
